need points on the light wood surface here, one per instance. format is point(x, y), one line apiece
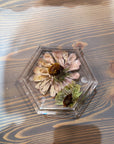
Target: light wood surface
point(26, 24)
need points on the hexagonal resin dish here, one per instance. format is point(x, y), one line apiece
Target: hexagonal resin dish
point(58, 81)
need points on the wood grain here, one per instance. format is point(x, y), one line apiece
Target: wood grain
point(26, 24)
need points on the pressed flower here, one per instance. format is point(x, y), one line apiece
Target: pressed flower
point(68, 95)
point(55, 70)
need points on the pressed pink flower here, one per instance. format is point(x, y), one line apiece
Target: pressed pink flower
point(56, 70)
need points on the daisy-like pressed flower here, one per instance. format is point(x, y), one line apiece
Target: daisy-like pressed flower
point(55, 70)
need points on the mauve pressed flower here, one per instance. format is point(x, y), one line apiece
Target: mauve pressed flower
point(54, 71)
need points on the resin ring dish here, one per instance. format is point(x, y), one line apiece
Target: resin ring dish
point(58, 81)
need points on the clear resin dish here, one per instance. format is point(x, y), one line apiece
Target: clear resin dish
point(58, 81)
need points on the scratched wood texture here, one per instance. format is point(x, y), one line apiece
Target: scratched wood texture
point(26, 24)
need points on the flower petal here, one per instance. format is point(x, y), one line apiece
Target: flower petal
point(47, 56)
point(75, 75)
point(37, 86)
point(78, 62)
point(52, 91)
point(67, 81)
point(42, 62)
point(62, 85)
point(60, 56)
point(67, 65)
point(37, 78)
point(75, 65)
point(65, 56)
point(57, 87)
point(45, 88)
point(57, 55)
point(71, 58)
point(44, 83)
point(61, 62)
point(41, 70)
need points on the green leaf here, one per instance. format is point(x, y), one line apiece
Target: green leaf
point(76, 95)
point(59, 103)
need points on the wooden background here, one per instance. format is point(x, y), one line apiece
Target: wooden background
point(26, 24)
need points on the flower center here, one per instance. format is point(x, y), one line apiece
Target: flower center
point(67, 100)
point(55, 69)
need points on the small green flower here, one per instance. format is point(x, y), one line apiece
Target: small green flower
point(72, 90)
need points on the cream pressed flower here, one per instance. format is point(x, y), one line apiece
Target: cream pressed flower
point(55, 70)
